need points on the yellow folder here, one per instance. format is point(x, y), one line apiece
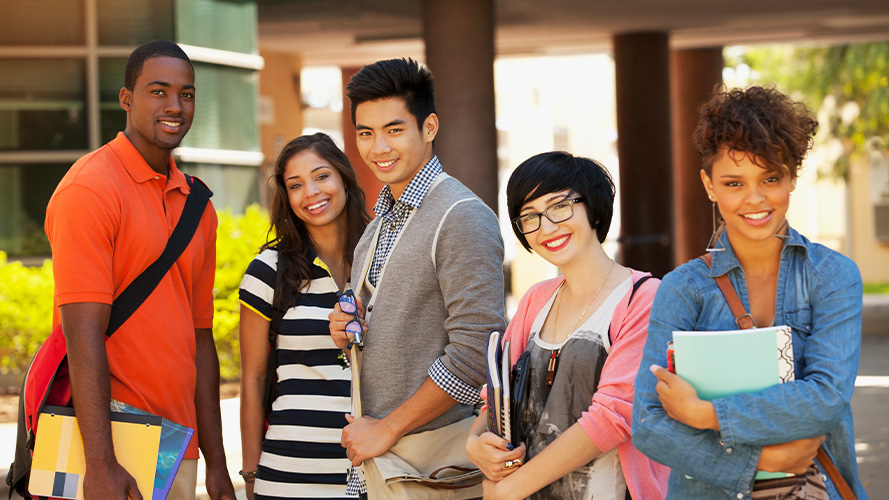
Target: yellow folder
point(58, 465)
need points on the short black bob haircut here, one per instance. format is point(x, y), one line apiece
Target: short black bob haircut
point(149, 50)
point(555, 171)
point(405, 79)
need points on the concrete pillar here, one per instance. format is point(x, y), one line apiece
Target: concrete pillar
point(694, 73)
point(642, 74)
point(459, 37)
point(366, 178)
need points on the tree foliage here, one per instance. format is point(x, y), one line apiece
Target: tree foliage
point(847, 84)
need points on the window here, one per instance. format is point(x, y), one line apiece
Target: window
point(42, 104)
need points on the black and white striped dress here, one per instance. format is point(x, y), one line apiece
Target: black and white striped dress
point(301, 454)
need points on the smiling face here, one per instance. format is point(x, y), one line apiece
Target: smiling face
point(315, 190)
point(752, 200)
point(160, 108)
point(391, 143)
point(559, 243)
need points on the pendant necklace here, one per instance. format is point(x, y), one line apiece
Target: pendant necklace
point(554, 358)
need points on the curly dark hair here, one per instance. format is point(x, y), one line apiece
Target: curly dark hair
point(291, 238)
point(772, 128)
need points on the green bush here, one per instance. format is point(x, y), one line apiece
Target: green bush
point(237, 242)
point(25, 312)
point(26, 295)
point(876, 288)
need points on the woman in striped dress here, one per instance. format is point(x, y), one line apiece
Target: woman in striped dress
point(317, 215)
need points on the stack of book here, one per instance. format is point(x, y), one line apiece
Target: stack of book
point(149, 447)
point(507, 389)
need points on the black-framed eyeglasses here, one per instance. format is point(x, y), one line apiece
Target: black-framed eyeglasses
point(349, 305)
point(557, 212)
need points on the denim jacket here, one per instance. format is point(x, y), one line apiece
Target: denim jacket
point(819, 296)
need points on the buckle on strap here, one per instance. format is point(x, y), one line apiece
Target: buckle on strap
point(747, 321)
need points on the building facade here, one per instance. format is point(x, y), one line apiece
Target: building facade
point(61, 69)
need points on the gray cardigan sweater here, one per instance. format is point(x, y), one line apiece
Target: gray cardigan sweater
point(439, 295)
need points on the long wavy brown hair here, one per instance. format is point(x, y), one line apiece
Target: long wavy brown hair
point(289, 235)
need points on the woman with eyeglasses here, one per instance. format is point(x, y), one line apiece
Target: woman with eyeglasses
point(752, 143)
point(582, 335)
point(317, 215)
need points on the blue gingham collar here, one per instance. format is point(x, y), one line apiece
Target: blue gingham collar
point(414, 192)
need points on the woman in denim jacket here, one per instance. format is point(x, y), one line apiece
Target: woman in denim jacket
point(753, 143)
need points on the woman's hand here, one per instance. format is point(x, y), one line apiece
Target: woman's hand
point(681, 402)
point(793, 457)
point(490, 453)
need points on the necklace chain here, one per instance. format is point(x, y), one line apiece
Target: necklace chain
point(585, 309)
point(554, 358)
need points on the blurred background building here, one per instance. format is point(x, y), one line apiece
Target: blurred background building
point(617, 81)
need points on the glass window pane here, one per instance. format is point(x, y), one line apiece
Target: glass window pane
point(42, 104)
point(134, 22)
point(225, 109)
point(24, 192)
point(233, 186)
point(112, 118)
point(217, 24)
point(42, 22)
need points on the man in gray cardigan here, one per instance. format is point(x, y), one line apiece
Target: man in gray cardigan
point(428, 268)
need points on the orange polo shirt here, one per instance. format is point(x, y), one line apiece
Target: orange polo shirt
point(109, 218)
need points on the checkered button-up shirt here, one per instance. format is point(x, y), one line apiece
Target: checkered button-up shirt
point(393, 217)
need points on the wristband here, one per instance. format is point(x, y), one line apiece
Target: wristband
point(249, 477)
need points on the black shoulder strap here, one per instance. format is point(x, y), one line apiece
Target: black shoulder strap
point(636, 287)
point(135, 294)
point(277, 315)
point(271, 376)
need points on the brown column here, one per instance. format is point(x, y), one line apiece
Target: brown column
point(366, 178)
point(642, 74)
point(693, 75)
point(459, 36)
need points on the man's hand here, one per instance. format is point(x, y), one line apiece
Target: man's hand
point(793, 457)
point(338, 320)
point(367, 437)
point(109, 481)
point(681, 402)
point(219, 484)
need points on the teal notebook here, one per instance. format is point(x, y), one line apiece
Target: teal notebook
point(719, 364)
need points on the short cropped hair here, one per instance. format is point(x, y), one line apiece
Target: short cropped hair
point(773, 129)
point(149, 50)
point(555, 171)
point(394, 78)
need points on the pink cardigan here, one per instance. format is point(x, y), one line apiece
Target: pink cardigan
point(607, 421)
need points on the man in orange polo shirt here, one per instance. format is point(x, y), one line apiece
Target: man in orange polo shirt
point(109, 218)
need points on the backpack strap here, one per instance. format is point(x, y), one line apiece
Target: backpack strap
point(274, 325)
point(742, 318)
point(136, 292)
point(636, 286)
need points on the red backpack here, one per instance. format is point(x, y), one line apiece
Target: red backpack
point(46, 381)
